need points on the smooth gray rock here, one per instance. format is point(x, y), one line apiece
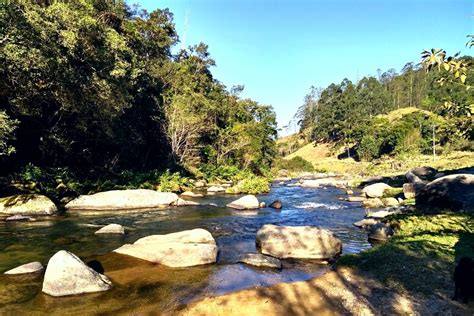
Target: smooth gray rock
point(111, 229)
point(259, 260)
point(305, 242)
point(181, 249)
point(31, 267)
point(192, 194)
point(122, 200)
point(244, 203)
point(372, 203)
point(66, 274)
point(18, 218)
point(365, 223)
point(376, 190)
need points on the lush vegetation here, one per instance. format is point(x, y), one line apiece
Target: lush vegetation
point(92, 87)
point(440, 101)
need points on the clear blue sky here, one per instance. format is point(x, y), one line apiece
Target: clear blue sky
point(278, 49)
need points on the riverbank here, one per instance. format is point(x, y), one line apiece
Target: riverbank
point(410, 274)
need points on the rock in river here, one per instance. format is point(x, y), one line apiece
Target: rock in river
point(27, 268)
point(245, 202)
point(181, 249)
point(66, 274)
point(27, 204)
point(380, 232)
point(276, 204)
point(304, 242)
point(192, 194)
point(259, 260)
point(376, 190)
point(111, 229)
point(123, 200)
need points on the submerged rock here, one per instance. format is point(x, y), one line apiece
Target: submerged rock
point(111, 229)
point(276, 204)
point(192, 194)
point(245, 202)
point(66, 274)
point(454, 192)
point(376, 190)
point(31, 267)
point(19, 218)
point(181, 249)
point(182, 202)
point(122, 200)
point(27, 204)
point(380, 232)
point(259, 260)
point(305, 242)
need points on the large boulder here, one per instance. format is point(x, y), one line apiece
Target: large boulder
point(122, 200)
point(244, 203)
point(66, 274)
point(31, 267)
point(376, 190)
point(183, 202)
point(412, 178)
point(27, 204)
point(305, 242)
point(453, 192)
point(425, 172)
point(181, 249)
point(259, 260)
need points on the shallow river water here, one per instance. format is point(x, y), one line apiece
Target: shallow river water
point(140, 286)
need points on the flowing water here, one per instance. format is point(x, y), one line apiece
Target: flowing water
point(142, 286)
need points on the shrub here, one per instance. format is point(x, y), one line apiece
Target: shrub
point(173, 182)
point(251, 185)
point(294, 164)
point(368, 148)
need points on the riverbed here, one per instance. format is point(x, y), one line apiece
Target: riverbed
point(143, 286)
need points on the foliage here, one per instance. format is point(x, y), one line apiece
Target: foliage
point(368, 148)
point(251, 184)
point(173, 182)
point(7, 129)
point(93, 85)
point(294, 164)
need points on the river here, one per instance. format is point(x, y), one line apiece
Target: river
point(142, 286)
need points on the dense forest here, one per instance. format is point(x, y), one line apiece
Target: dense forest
point(352, 114)
point(94, 87)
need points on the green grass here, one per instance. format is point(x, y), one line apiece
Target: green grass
point(421, 256)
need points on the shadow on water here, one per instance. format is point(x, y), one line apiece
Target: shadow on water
point(139, 284)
